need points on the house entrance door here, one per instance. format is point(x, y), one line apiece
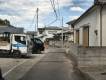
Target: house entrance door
point(86, 36)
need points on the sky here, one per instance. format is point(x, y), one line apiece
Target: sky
point(22, 13)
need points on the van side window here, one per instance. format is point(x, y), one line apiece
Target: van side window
point(20, 39)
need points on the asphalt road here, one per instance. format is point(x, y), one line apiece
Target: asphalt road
point(54, 66)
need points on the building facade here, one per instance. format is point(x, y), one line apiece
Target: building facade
point(48, 32)
point(90, 28)
point(71, 30)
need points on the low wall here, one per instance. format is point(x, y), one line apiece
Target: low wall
point(92, 56)
point(83, 56)
point(88, 56)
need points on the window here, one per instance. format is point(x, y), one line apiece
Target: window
point(20, 39)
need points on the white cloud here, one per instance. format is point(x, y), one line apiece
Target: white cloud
point(20, 12)
point(79, 9)
point(73, 17)
point(65, 2)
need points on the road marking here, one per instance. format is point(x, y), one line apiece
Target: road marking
point(6, 73)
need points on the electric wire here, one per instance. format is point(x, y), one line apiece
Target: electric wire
point(54, 9)
point(53, 6)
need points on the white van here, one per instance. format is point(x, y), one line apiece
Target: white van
point(15, 44)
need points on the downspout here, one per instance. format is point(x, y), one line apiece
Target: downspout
point(101, 25)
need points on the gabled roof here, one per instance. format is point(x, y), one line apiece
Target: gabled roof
point(99, 2)
point(84, 14)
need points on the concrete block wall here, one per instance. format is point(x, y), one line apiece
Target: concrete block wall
point(92, 56)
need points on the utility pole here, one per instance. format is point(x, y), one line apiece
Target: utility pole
point(62, 34)
point(37, 19)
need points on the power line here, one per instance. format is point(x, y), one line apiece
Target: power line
point(58, 8)
point(55, 12)
point(53, 6)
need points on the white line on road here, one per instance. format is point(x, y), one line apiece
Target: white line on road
point(6, 73)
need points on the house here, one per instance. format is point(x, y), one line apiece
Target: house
point(12, 30)
point(5, 26)
point(67, 34)
point(90, 27)
point(48, 32)
point(70, 30)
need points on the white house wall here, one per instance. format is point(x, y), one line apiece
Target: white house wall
point(98, 26)
point(81, 36)
point(91, 21)
point(104, 26)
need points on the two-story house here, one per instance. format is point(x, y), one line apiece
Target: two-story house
point(48, 32)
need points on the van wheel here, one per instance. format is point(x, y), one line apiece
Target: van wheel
point(17, 54)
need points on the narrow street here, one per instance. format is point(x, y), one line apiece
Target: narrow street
point(54, 66)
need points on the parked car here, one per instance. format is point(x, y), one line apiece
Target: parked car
point(38, 46)
point(13, 44)
point(1, 78)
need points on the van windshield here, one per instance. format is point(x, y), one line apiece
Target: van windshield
point(20, 39)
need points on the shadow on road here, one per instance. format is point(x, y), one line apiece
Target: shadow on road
point(16, 56)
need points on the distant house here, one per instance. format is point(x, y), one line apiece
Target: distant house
point(48, 32)
point(90, 27)
point(12, 30)
point(70, 30)
point(5, 26)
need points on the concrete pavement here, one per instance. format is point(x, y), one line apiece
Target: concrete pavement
point(15, 68)
point(54, 66)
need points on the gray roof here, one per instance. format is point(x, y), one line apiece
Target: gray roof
point(51, 28)
point(11, 30)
